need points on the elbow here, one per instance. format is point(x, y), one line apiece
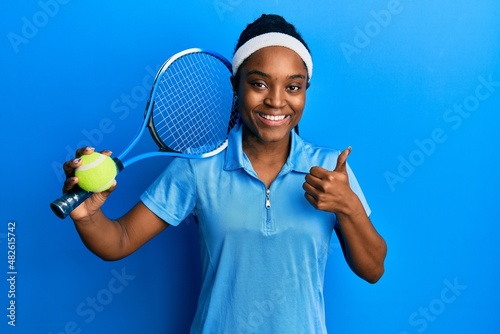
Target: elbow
point(378, 269)
point(375, 276)
point(371, 274)
point(107, 257)
point(110, 258)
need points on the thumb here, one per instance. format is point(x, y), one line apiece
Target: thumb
point(342, 159)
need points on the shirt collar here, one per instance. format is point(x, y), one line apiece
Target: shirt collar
point(298, 160)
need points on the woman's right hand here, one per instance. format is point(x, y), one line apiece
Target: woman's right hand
point(92, 204)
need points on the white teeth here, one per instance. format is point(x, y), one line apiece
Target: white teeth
point(274, 118)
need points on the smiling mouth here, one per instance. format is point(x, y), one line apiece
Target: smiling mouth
point(274, 117)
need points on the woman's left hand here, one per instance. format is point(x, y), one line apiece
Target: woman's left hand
point(330, 190)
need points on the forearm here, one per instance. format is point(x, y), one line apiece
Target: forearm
point(104, 237)
point(364, 248)
point(330, 191)
point(115, 239)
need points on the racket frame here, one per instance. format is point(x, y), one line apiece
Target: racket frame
point(63, 206)
point(148, 117)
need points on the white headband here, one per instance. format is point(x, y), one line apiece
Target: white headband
point(272, 39)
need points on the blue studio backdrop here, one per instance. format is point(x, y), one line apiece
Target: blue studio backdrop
point(412, 85)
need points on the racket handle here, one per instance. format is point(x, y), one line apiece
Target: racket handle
point(63, 206)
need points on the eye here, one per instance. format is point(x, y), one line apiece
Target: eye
point(259, 84)
point(294, 88)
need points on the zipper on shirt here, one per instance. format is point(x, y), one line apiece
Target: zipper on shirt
point(269, 226)
point(268, 198)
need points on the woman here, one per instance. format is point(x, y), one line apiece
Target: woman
point(266, 207)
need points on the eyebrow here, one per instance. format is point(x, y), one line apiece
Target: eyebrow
point(262, 74)
point(259, 73)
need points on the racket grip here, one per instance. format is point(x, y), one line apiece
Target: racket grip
point(63, 206)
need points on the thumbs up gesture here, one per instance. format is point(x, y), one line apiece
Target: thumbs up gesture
point(329, 190)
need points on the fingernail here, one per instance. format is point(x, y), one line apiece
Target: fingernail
point(77, 160)
point(89, 148)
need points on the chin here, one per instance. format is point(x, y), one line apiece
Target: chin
point(274, 136)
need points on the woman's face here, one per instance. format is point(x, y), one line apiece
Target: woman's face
point(271, 93)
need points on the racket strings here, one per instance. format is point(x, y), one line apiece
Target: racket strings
point(193, 104)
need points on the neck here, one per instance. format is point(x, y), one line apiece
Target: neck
point(267, 158)
point(269, 152)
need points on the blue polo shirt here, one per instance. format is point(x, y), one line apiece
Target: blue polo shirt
point(263, 251)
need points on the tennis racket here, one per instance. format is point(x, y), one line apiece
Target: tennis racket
point(189, 114)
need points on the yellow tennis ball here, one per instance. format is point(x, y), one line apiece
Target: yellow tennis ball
point(96, 173)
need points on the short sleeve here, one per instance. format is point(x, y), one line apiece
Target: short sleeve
point(172, 196)
point(353, 182)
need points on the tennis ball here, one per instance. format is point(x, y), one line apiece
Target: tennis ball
point(96, 173)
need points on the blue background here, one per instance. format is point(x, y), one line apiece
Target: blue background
point(404, 82)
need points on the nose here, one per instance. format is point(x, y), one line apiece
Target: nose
point(275, 98)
